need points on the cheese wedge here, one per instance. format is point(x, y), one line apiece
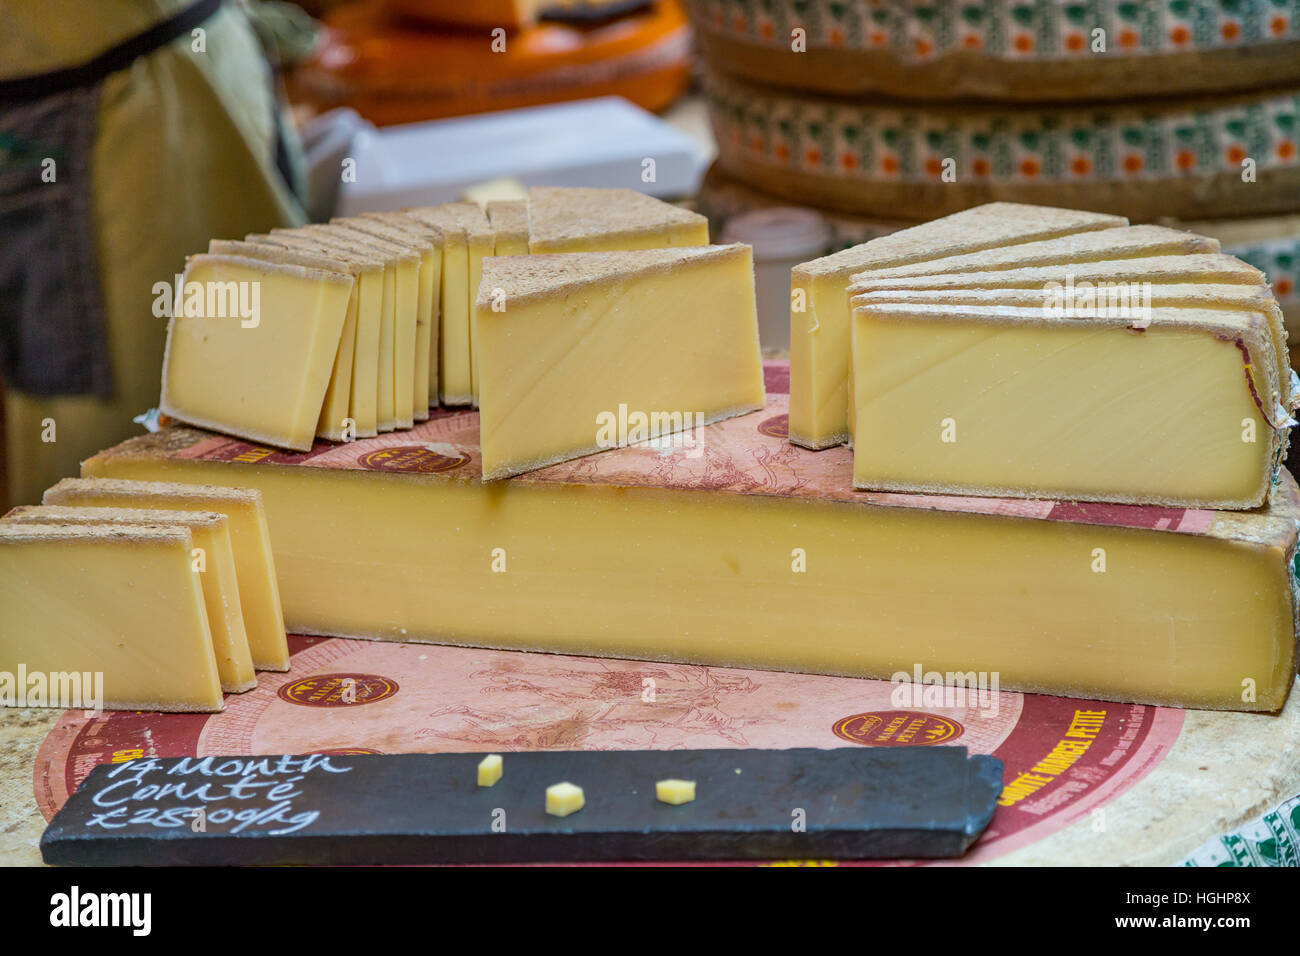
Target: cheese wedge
point(263, 376)
point(509, 221)
point(123, 601)
point(336, 412)
point(584, 352)
point(760, 554)
point(212, 557)
point(259, 589)
point(454, 373)
point(363, 403)
point(819, 308)
point(1011, 402)
point(608, 220)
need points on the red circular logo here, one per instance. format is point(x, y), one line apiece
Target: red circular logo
point(338, 690)
point(416, 458)
point(897, 728)
point(778, 426)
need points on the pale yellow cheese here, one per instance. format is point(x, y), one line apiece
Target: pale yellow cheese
point(563, 799)
point(480, 245)
point(212, 556)
point(489, 770)
point(262, 377)
point(675, 792)
point(607, 220)
point(259, 588)
point(577, 348)
point(122, 601)
point(819, 308)
point(454, 376)
point(1004, 401)
point(509, 220)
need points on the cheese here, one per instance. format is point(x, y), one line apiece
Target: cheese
point(454, 374)
point(675, 792)
point(259, 589)
point(489, 770)
point(819, 307)
point(363, 404)
point(212, 557)
point(608, 220)
point(509, 220)
point(261, 376)
point(733, 558)
point(122, 601)
point(576, 349)
point(563, 799)
point(1006, 401)
point(338, 396)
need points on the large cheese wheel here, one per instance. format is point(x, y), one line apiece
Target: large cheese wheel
point(1004, 49)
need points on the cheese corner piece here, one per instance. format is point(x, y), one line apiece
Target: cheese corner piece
point(212, 557)
point(675, 792)
point(563, 799)
point(608, 220)
point(583, 352)
point(819, 307)
point(259, 590)
point(252, 347)
point(509, 219)
point(123, 601)
point(455, 301)
point(489, 770)
point(1010, 402)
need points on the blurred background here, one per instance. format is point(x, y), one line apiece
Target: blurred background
point(132, 131)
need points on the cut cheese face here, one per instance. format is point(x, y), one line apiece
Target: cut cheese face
point(123, 601)
point(261, 376)
point(259, 589)
point(649, 555)
point(454, 375)
point(819, 307)
point(212, 556)
point(608, 220)
point(577, 349)
point(509, 220)
point(1003, 401)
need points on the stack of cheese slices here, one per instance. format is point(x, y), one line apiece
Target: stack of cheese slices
point(362, 324)
point(1026, 351)
point(73, 572)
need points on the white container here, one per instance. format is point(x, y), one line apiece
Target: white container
point(782, 237)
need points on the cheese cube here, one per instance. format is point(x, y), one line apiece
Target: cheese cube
point(489, 770)
point(563, 799)
point(675, 792)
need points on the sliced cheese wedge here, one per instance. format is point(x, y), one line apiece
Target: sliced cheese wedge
point(563, 219)
point(455, 376)
point(583, 352)
point(262, 376)
point(212, 556)
point(259, 589)
point(123, 601)
point(819, 308)
point(1010, 402)
point(509, 220)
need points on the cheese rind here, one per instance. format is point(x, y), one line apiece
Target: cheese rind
point(509, 219)
point(608, 220)
point(123, 601)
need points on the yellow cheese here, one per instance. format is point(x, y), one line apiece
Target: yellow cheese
point(363, 404)
point(580, 350)
point(261, 376)
point(480, 245)
point(675, 792)
point(760, 554)
point(454, 375)
point(1006, 401)
point(489, 770)
point(259, 589)
point(212, 557)
point(819, 308)
point(509, 220)
point(608, 220)
point(121, 601)
point(563, 799)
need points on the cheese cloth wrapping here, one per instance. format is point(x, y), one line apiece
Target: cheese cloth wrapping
point(183, 148)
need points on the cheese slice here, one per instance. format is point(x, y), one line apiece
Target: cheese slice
point(509, 220)
point(759, 553)
point(123, 601)
point(480, 245)
point(1011, 402)
point(819, 308)
point(607, 220)
point(263, 377)
point(259, 589)
point(363, 403)
point(1120, 242)
point(212, 557)
point(578, 348)
point(454, 373)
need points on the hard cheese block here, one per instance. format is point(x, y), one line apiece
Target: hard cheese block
point(608, 220)
point(509, 219)
point(1012, 401)
point(819, 306)
point(259, 372)
point(757, 553)
point(122, 601)
point(213, 558)
point(259, 590)
point(589, 351)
